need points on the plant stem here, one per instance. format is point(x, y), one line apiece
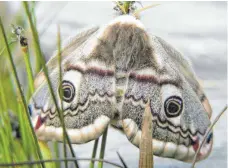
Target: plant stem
point(58, 160)
point(94, 152)
point(61, 90)
point(29, 71)
point(45, 70)
point(56, 149)
point(24, 135)
point(11, 42)
point(103, 144)
point(206, 135)
point(121, 159)
point(19, 88)
point(4, 134)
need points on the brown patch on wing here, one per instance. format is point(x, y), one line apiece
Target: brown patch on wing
point(90, 69)
point(207, 106)
point(203, 98)
point(40, 78)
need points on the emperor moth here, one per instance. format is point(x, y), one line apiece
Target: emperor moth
point(109, 74)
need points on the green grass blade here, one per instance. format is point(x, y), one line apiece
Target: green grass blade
point(6, 153)
point(7, 137)
point(33, 12)
point(29, 70)
point(33, 16)
point(3, 49)
point(94, 152)
point(65, 152)
point(35, 37)
point(103, 144)
point(3, 100)
point(4, 131)
point(45, 70)
point(25, 142)
point(58, 160)
point(61, 90)
point(19, 88)
point(56, 151)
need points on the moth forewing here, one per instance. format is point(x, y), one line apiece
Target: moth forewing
point(88, 95)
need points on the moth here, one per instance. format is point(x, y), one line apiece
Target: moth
point(109, 73)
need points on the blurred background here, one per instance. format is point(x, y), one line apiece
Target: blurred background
point(197, 29)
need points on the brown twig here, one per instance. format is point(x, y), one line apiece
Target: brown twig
point(121, 159)
point(146, 143)
point(136, 13)
point(206, 135)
